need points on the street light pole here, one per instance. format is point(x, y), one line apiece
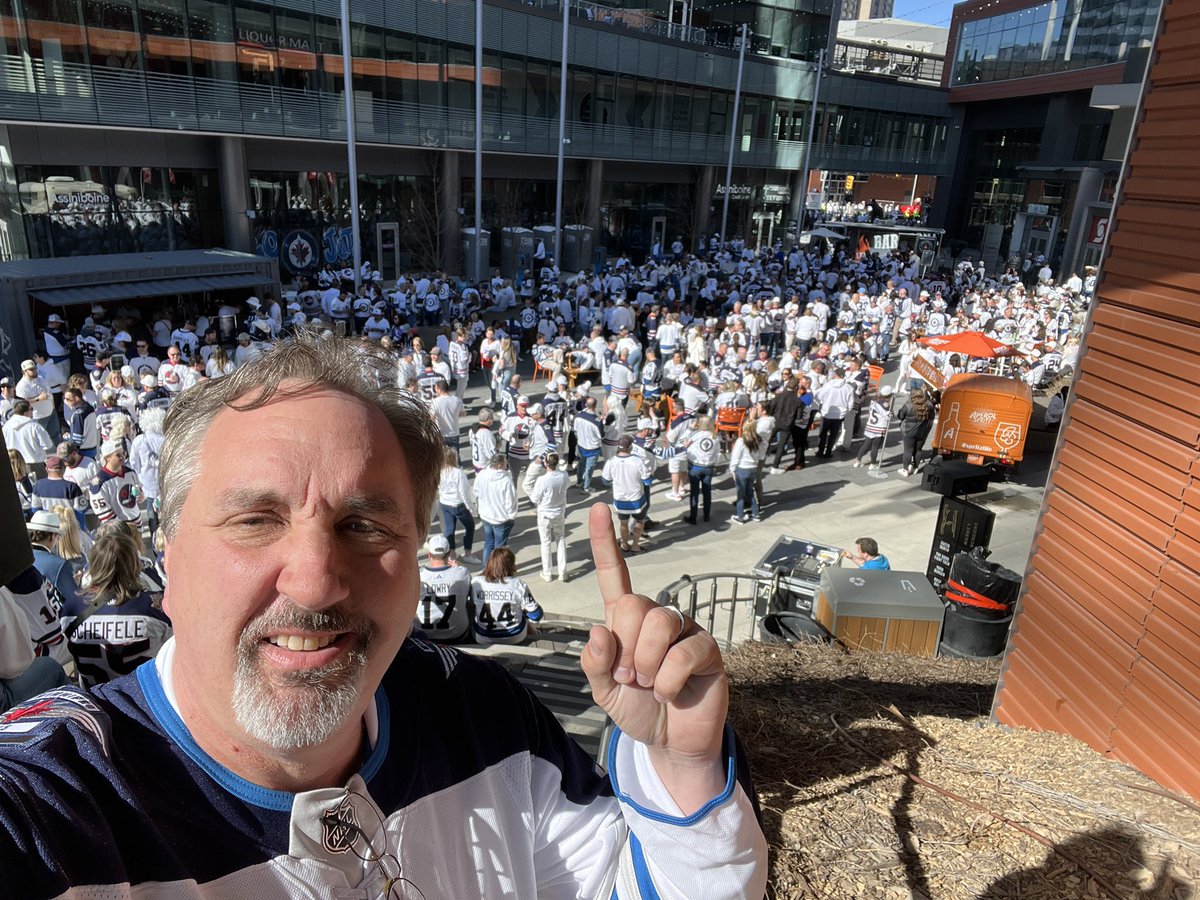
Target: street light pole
point(562, 138)
point(733, 130)
point(478, 249)
point(351, 149)
point(812, 127)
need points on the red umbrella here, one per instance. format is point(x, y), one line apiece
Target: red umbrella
point(970, 343)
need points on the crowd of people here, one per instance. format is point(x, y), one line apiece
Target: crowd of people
point(685, 368)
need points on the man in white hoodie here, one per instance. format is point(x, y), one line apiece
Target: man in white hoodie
point(27, 437)
point(496, 494)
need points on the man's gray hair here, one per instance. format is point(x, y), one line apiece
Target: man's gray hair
point(310, 360)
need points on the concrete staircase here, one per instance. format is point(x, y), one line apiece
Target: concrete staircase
point(549, 667)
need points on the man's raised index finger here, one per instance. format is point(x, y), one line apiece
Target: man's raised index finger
point(610, 565)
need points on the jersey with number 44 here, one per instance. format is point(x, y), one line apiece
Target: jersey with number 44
point(502, 609)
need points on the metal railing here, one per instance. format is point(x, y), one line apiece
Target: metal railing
point(889, 62)
point(727, 606)
point(631, 19)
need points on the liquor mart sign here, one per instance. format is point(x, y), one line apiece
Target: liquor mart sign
point(271, 39)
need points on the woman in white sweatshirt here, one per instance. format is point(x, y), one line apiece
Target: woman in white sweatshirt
point(496, 495)
point(748, 451)
point(456, 501)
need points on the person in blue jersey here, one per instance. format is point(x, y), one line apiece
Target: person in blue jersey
point(504, 605)
point(292, 740)
point(866, 555)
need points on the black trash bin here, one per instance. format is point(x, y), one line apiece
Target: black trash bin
point(987, 589)
point(790, 628)
point(970, 634)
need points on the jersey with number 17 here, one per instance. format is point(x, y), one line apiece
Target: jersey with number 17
point(442, 613)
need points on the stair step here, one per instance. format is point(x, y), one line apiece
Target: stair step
point(549, 667)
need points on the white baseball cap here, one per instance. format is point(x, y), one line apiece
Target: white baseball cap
point(44, 520)
point(437, 545)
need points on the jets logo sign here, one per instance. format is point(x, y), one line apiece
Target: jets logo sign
point(299, 251)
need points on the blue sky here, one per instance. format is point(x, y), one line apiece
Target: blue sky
point(931, 12)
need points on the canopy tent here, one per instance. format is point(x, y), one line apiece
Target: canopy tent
point(161, 287)
point(827, 233)
point(970, 343)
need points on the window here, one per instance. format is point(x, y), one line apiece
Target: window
point(537, 94)
point(460, 87)
point(431, 73)
point(112, 33)
point(605, 113)
point(210, 30)
point(717, 112)
point(297, 61)
point(256, 44)
point(582, 85)
point(401, 67)
point(513, 89)
point(164, 36)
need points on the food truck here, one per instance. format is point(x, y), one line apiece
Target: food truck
point(984, 419)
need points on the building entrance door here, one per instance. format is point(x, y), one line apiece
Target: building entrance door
point(764, 223)
point(387, 239)
point(658, 232)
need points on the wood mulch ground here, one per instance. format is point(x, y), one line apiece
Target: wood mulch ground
point(989, 812)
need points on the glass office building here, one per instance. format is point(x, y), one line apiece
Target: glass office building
point(189, 117)
point(1048, 91)
point(1051, 38)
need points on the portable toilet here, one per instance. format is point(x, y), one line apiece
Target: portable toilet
point(470, 237)
point(577, 248)
point(516, 250)
point(544, 233)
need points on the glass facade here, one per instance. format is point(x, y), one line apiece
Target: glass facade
point(81, 210)
point(245, 67)
point(1052, 37)
point(798, 29)
point(239, 66)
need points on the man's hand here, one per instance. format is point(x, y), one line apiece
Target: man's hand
point(663, 686)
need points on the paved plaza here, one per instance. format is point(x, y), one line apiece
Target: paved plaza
point(829, 502)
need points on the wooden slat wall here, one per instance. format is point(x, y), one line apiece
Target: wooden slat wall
point(1106, 644)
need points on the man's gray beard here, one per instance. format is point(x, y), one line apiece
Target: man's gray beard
point(291, 710)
